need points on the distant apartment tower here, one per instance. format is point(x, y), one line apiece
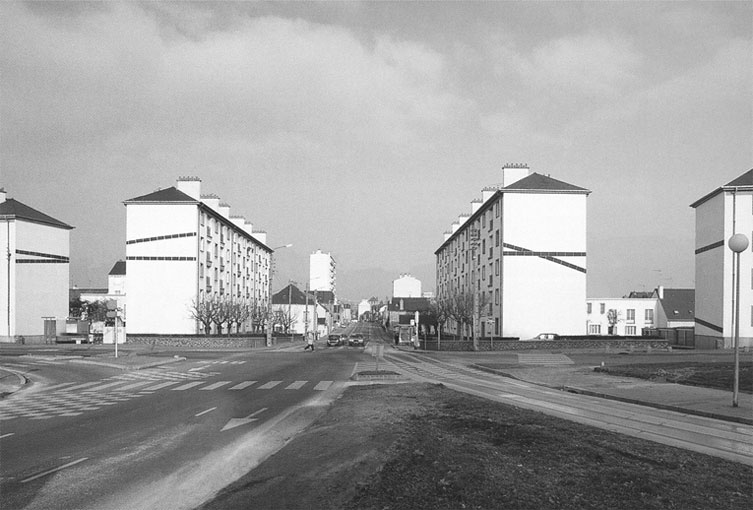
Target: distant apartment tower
point(183, 248)
point(34, 272)
point(725, 211)
point(406, 286)
point(522, 252)
point(322, 271)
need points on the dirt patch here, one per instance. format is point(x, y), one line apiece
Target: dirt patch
point(421, 446)
point(709, 375)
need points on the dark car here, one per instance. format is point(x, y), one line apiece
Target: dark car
point(334, 340)
point(356, 340)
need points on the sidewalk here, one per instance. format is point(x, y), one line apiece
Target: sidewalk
point(682, 398)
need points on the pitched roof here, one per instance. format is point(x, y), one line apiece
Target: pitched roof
point(291, 295)
point(14, 208)
point(171, 194)
point(744, 181)
point(538, 182)
point(679, 304)
point(410, 305)
point(119, 268)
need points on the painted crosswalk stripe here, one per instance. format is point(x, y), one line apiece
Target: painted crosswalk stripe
point(104, 386)
point(160, 386)
point(296, 385)
point(269, 385)
point(244, 384)
point(323, 385)
point(134, 385)
point(58, 386)
point(216, 385)
point(82, 386)
point(188, 385)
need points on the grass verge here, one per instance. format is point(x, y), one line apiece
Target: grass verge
point(718, 375)
point(421, 446)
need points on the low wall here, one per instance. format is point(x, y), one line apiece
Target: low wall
point(486, 344)
point(206, 341)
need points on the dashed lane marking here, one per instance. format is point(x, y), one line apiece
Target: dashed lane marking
point(244, 384)
point(296, 385)
point(215, 385)
point(323, 385)
point(188, 385)
point(269, 385)
point(160, 386)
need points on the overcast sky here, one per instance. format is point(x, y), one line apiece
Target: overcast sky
point(364, 128)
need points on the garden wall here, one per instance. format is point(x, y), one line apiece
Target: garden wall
point(206, 341)
point(508, 344)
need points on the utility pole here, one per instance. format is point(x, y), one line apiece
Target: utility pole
point(290, 310)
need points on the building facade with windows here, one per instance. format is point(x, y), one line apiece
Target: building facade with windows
point(521, 255)
point(183, 248)
point(621, 316)
point(34, 272)
point(718, 216)
point(322, 271)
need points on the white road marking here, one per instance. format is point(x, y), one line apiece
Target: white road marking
point(269, 385)
point(216, 385)
point(323, 385)
point(45, 473)
point(160, 386)
point(188, 385)
point(244, 384)
point(205, 412)
point(134, 385)
point(81, 386)
point(7, 435)
point(296, 385)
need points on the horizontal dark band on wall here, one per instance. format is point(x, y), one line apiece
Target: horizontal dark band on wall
point(43, 255)
point(711, 246)
point(161, 238)
point(188, 259)
point(546, 255)
point(714, 327)
point(41, 261)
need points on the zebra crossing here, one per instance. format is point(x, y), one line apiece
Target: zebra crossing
point(73, 399)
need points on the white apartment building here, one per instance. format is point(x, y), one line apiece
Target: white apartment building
point(718, 216)
point(34, 272)
point(322, 271)
point(406, 286)
point(522, 251)
point(182, 248)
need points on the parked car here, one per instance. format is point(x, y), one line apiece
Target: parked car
point(547, 336)
point(334, 340)
point(356, 339)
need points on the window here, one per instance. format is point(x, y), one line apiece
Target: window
point(649, 316)
point(496, 238)
point(483, 220)
point(491, 222)
point(496, 208)
point(496, 267)
point(496, 296)
point(630, 315)
point(629, 330)
point(602, 308)
point(588, 307)
point(594, 329)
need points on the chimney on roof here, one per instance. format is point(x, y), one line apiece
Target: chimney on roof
point(455, 226)
point(447, 235)
point(238, 221)
point(2, 195)
point(513, 172)
point(476, 205)
point(212, 201)
point(224, 209)
point(191, 186)
point(260, 236)
point(660, 291)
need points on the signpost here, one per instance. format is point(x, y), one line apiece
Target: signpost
point(112, 313)
point(378, 352)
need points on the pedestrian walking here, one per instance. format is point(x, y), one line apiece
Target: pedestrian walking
point(309, 343)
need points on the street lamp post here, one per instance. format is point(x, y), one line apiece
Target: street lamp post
point(269, 300)
point(738, 243)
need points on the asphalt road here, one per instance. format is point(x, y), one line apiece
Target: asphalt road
point(86, 436)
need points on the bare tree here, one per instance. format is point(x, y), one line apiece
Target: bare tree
point(238, 312)
point(204, 311)
point(461, 310)
point(613, 317)
point(440, 310)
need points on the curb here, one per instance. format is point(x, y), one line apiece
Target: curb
point(12, 388)
point(126, 367)
point(598, 394)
